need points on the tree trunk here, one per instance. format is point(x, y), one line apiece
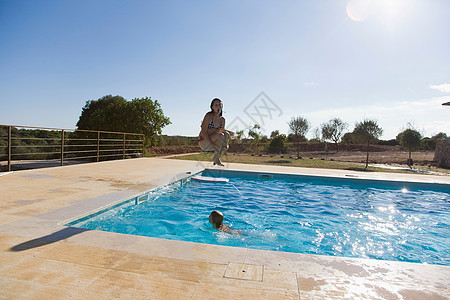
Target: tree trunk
point(409, 160)
point(367, 157)
point(298, 148)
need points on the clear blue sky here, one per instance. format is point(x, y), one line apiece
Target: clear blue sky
point(386, 60)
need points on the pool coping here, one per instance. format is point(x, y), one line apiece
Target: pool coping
point(315, 275)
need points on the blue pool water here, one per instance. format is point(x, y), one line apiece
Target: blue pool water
point(316, 215)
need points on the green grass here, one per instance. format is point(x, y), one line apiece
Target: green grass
point(291, 162)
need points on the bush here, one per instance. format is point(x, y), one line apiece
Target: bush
point(427, 144)
point(392, 142)
point(278, 144)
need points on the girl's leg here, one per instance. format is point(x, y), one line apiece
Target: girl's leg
point(211, 146)
point(224, 144)
point(208, 146)
point(221, 140)
point(217, 140)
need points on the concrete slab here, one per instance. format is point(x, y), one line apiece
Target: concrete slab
point(41, 258)
point(244, 271)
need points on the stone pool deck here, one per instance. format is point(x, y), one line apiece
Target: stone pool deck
point(42, 259)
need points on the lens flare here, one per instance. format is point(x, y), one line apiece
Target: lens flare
point(358, 10)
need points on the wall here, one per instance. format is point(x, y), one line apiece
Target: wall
point(442, 153)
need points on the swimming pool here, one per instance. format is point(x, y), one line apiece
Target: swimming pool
point(305, 214)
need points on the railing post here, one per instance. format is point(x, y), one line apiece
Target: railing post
point(98, 146)
point(9, 148)
point(124, 146)
point(62, 147)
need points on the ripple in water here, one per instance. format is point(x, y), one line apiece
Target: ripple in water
point(294, 215)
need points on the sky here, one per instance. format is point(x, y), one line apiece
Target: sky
point(268, 60)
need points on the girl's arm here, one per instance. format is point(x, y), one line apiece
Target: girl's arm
point(223, 128)
point(204, 130)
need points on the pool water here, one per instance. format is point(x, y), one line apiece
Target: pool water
point(315, 215)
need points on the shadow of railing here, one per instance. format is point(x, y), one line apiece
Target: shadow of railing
point(48, 239)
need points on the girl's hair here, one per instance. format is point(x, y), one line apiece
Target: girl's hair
point(217, 217)
point(212, 102)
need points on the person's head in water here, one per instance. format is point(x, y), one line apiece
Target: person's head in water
point(216, 105)
point(216, 218)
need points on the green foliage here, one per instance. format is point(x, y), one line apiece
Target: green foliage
point(239, 135)
point(348, 138)
point(367, 131)
point(314, 140)
point(254, 132)
point(3, 142)
point(291, 138)
point(439, 136)
point(257, 139)
point(427, 144)
point(102, 114)
point(274, 133)
point(165, 140)
point(333, 130)
point(30, 144)
point(277, 143)
point(114, 113)
point(392, 142)
point(409, 139)
point(298, 126)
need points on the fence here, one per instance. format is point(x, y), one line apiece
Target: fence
point(26, 144)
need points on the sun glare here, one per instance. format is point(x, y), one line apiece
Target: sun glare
point(358, 10)
point(388, 13)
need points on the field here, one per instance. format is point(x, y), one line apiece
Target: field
point(350, 160)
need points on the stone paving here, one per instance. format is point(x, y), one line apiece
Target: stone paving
point(42, 259)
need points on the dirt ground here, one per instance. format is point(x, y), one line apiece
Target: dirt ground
point(392, 156)
point(423, 158)
point(395, 157)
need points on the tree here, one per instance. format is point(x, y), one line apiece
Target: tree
point(439, 136)
point(316, 134)
point(430, 143)
point(277, 143)
point(114, 113)
point(410, 139)
point(333, 130)
point(367, 131)
point(102, 114)
point(239, 135)
point(274, 133)
point(298, 126)
point(292, 138)
point(147, 117)
point(427, 144)
point(255, 134)
point(348, 138)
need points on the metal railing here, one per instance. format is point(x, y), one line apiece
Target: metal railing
point(20, 144)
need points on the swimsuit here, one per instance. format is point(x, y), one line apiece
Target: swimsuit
point(210, 127)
